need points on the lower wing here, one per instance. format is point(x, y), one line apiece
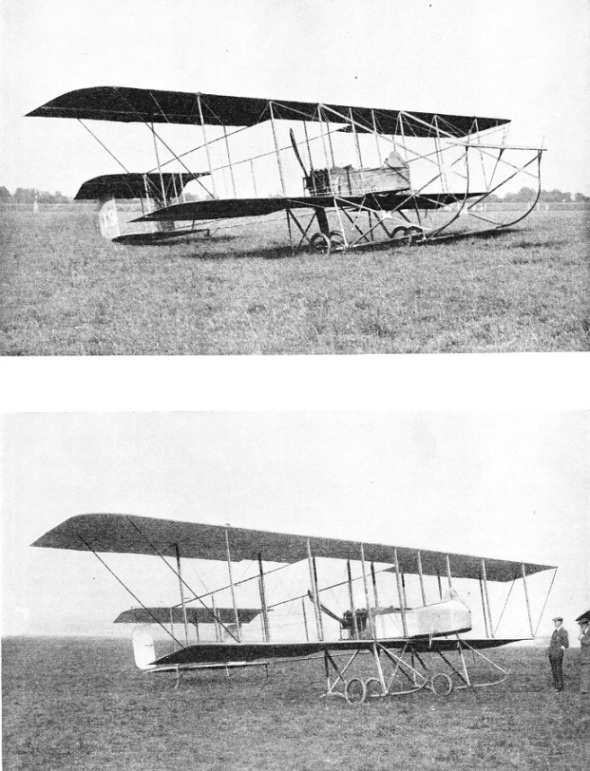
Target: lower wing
point(227, 208)
point(211, 655)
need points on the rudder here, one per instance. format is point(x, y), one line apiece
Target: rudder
point(144, 649)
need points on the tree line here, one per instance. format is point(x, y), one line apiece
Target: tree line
point(527, 194)
point(30, 195)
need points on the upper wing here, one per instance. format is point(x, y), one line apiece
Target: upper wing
point(143, 535)
point(128, 105)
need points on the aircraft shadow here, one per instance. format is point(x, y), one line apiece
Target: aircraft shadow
point(266, 253)
point(206, 250)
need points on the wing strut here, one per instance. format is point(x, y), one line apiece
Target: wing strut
point(262, 589)
point(487, 596)
point(526, 596)
point(231, 168)
point(351, 598)
point(356, 139)
point(314, 588)
point(545, 603)
point(206, 146)
point(277, 151)
point(231, 583)
point(374, 580)
point(422, 592)
point(366, 588)
point(483, 605)
point(399, 594)
point(164, 198)
point(181, 589)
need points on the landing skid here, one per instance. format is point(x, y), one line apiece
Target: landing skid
point(418, 218)
point(397, 674)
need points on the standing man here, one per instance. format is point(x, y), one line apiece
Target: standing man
point(584, 638)
point(559, 642)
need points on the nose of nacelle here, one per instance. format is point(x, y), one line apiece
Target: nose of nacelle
point(447, 617)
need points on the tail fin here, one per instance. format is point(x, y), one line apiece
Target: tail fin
point(117, 223)
point(108, 219)
point(143, 647)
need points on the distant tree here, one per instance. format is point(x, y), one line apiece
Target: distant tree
point(28, 194)
point(24, 195)
point(4, 194)
point(59, 197)
point(581, 198)
point(525, 194)
point(555, 196)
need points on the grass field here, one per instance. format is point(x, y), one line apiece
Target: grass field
point(80, 704)
point(66, 291)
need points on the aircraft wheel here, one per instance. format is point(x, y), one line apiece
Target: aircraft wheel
point(441, 684)
point(355, 691)
point(321, 243)
point(373, 688)
point(403, 235)
point(337, 239)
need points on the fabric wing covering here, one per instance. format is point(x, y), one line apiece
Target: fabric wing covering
point(227, 208)
point(193, 615)
point(128, 105)
point(124, 534)
point(135, 185)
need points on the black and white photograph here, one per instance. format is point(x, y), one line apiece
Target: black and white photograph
point(294, 385)
point(296, 590)
point(371, 177)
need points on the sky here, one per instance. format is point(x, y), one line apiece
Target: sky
point(527, 60)
point(511, 485)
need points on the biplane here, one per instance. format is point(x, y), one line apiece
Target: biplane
point(300, 597)
point(342, 176)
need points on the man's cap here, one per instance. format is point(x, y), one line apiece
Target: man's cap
point(584, 618)
point(558, 618)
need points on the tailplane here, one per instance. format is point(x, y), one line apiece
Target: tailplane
point(121, 197)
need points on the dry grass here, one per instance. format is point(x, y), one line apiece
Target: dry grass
point(80, 704)
point(66, 291)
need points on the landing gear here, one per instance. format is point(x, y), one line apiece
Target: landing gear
point(404, 236)
point(337, 240)
point(325, 243)
point(398, 673)
point(355, 691)
point(373, 688)
point(321, 244)
point(441, 684)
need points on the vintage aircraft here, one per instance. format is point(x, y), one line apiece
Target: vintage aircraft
point(401, 177)
point(398, 631)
